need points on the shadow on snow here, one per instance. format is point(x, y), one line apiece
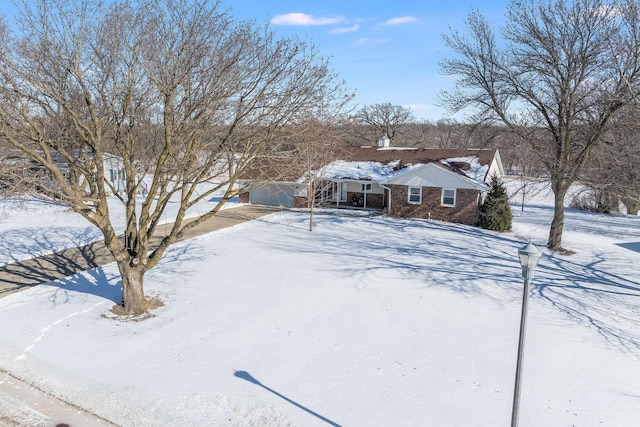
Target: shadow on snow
point(476, 262)
point(248, 377)
point(77, 269)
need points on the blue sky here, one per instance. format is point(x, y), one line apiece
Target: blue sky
point(387, 51)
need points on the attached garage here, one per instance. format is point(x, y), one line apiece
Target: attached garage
point(274, 195)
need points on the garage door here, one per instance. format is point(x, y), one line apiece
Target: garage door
point(273, 195)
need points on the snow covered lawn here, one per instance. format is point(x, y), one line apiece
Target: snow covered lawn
point(34, 227)
point(366, 321)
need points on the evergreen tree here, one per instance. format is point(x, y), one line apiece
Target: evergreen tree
point(495, 212)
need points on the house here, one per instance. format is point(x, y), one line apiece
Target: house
point(114, 173)
point(20, 165)
point(113, 166)
point(440, 184)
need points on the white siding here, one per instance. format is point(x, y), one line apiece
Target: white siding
point(495, 168)
point(114, 172)
point(356, 187)
point(434, 176)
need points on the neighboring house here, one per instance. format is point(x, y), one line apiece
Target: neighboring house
point(114, 172)
point(113, 167)
point(446, 185)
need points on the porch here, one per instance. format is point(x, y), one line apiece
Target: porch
point(364, 195)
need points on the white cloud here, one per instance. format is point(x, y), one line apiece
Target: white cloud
point(400, 20)
point(419, 107)
point(609, 11)
point(369, 40)
point(296, 18)
point(341, 30)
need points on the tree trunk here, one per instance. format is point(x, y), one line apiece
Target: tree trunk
point(632, 205)
point(557, 224)
point(311, 194)
point(133, 300)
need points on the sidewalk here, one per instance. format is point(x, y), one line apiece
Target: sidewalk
point(35, 271)
point(22, 405)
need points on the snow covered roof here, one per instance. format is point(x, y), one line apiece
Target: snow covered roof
point(365, 171)
point(381, 164)
point(377, 164)
point(470, 166)
point(414, 155)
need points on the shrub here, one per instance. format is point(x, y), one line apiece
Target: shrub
point(595, 200)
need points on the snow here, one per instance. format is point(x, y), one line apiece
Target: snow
point(381, 172)
point(476, 171)
point(369, 171)
point(366, 321)
point(397, 148)
point(34, 227)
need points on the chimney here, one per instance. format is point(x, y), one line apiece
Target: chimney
point(384, 141)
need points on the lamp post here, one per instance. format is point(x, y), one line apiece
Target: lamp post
point(529, 256)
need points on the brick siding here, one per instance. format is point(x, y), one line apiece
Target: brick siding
point(465, 211)
point(300, 202)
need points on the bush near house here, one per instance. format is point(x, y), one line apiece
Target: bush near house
point(495, 212)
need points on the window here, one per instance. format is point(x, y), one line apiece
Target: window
point(415, 195)
point(366, 187)
point(448, 197)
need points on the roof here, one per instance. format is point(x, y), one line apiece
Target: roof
point(377, 164)
point(275, 168)
point(414, 155)
point(382, 163)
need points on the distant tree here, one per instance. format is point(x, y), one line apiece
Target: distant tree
point(526, 189)
point(383, 119)
point(452, 134)
point(184, 94)
point(426, 134)
point(495, 212)
point(6, 167)
point(613, 174)
point(558, 77)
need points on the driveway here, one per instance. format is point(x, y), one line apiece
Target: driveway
point(44, 269)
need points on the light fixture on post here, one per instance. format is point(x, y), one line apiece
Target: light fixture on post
point(529, 256)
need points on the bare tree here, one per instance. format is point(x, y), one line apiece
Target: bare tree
point(623, 156)
point(315, 144)
point(187, 97)
point(613, 174)
point(451, 134)
point(557, 78)
point(383, 119)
